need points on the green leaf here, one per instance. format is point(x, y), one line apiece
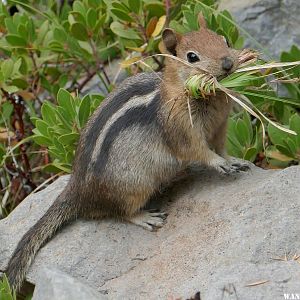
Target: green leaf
point(56, 46)
point(295, 125)
point(78, 17)
point(11, 27)
point(78, 6)
point(16, 40)
point(291, 145)
point(154, 8)
point(135, 5)
point(265, 96)
point(63, 79)
point(79, 31)
point(273, 153)
point(96, 101)
point(276, 135)
point(233, 145)
point(56, 154)
point(192, 20)
point(60, 35)
point(178, 27)
point(16, 67)
point(285, 150)
point(22, 31)
point(42, 127)
point(66, 101)
point(7, 67)
point(60, 148)
point(250, 154)
point(65, 117)
point(121, 31)
point(6, 111)
point(243, 133)
point(50, 168)
point(6, 292)
point(239, 43)
point(122, 15)
point(232, 148)
point(23, 67)
point(42, 140)
point(63, 167)
point(84, 110)
point(10, 88)
point(94, 3)
point(86, 47)
point(247, 120)
point(68, 139)
point(120, 6)
point(42, 31)
point(91, 18)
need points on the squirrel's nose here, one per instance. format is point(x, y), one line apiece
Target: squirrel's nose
point(227, 63)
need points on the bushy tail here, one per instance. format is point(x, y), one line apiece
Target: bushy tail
point(61, 211)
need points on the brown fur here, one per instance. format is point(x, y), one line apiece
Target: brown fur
point(138, 139)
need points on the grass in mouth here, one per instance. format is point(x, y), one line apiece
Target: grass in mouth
point(248, 80)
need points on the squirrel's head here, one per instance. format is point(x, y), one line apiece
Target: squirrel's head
point(204, 49)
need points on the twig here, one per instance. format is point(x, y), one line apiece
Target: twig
point(99, 65)
point(86, 80)
point(160, 65)
point(45, 182)
point(19, 129)
point(168, 6)
point(141, 27)
point(257, 283)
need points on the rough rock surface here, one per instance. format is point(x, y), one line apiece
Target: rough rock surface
point(273, 23)
point(53, 284)
point(222, 233)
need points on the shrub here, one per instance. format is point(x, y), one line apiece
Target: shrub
point(60, 125)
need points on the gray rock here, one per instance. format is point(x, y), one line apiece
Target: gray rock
point(54, 284)
point(222, 233)
point(273, 23)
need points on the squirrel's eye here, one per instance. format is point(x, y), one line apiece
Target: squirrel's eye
point(192, 57)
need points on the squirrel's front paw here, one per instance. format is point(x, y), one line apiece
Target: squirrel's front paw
point(226, 167)
point(244, 167)
point(240, 165)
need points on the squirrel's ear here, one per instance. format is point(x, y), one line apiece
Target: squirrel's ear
point(201, 21)
point(170, 39)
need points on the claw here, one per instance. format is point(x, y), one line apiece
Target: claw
point(150, 220)
point(228, 169)
point(241, 167)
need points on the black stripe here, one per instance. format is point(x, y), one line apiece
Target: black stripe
point(139, 85)
point(143, 115)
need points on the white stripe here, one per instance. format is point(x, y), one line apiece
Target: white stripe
point(132, 103)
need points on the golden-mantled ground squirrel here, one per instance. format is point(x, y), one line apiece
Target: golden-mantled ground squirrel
point(139, 138)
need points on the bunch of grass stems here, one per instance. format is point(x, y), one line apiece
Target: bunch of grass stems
point(238, 85)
